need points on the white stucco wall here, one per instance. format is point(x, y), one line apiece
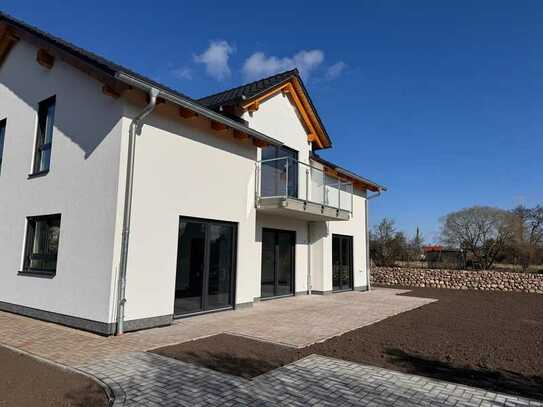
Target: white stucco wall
point(183, 168)
point(81, 185)
point(278, 118)
point(355, 227)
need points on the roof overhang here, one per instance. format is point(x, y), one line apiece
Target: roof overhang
point(116, 79)
point(196, 108)
point(357, 180)
point(293, 88)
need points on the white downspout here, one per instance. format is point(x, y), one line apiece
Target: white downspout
point(309, 282)
point(135, 128)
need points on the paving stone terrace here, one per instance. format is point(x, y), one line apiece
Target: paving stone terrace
point(141, 379)
point(295, 321)
point(145, 379)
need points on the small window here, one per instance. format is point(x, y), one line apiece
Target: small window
point(2, 136)
point(44, 137)
point(42, 238)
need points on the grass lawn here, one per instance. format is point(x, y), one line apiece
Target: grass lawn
point(29, 382)
point(483, 339)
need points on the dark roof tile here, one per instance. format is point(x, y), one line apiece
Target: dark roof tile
point(247, 90)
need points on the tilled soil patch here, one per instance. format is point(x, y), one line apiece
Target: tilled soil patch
point(483, 339)
point(28, 382)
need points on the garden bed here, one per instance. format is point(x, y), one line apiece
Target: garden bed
point(483, 339)
point(26, 381)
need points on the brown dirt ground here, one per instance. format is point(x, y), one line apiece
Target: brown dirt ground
point(483, 339)
point(28, 382)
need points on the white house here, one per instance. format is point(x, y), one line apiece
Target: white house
point(125, 204)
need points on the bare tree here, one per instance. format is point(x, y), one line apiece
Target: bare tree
point(527, 232)
point(415, 246)
point(386, 244)
point(481, 231)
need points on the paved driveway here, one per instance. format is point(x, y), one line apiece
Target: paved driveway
point(294, 321)
point(146, 379)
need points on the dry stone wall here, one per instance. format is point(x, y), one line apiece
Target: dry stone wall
point(458, 279)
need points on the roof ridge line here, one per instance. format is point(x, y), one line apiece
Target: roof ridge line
point(295, 70)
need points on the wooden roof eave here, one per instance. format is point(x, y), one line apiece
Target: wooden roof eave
point(315, 132)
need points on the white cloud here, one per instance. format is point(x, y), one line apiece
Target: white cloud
point(182, 73)
point(335, 70)
point(259, 65)
point(215, 58)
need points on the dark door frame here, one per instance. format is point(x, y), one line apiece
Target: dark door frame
point(292, 266)
point(351, 261)
point(205, 277)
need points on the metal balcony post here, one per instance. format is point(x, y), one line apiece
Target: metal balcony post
point(339, 194)
point(323, 188)
point(352, 198)
point(286, 178)
point(307, 184)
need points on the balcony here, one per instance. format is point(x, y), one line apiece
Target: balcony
point(289, 187)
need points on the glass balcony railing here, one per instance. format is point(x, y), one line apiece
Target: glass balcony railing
point(286, 177)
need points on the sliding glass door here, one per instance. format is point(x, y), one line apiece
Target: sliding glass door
point(205, 266)
point(342, 262)
point(277, 263)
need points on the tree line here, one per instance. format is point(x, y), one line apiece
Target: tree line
point(486, 235)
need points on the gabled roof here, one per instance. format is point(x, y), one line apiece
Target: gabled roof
point(246, 91)
point(256, 90)
point(111, 73)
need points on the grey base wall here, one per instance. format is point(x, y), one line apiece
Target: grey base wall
point(359, 288)
point(102, 328)
point(317, 292)
point(244, 305)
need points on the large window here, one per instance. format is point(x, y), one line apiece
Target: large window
point(44, 136)
point(42, 239)
point(2, 137)
point(278, 163)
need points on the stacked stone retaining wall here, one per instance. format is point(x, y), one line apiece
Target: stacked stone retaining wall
point(457, 279)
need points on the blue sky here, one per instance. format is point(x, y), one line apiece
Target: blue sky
point(441, 101)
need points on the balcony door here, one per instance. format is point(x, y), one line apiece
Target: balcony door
point(279, 171)
point(277, 263)
point(205, 266)
point(342, 262)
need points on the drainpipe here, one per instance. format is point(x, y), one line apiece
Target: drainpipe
point(368, 266)
point(309, 282)
point(135, 128)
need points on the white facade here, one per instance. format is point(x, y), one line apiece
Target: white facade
point(183, 168)
point(81, 185)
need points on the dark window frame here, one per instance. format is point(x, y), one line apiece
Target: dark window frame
point(3, 126)
point(29, 255)
point(294, 237)
point(291, 155)
point(234, 270)
point(350, 240)
point(44, 135)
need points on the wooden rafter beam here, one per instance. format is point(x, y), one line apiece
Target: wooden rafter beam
point(7, 40)
point(287, 89)
point(45, 58)
point(218, 126)
point(260, 143)
point(110, 91)
point(240, 135)
point(253, 107)
point(186, 113)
